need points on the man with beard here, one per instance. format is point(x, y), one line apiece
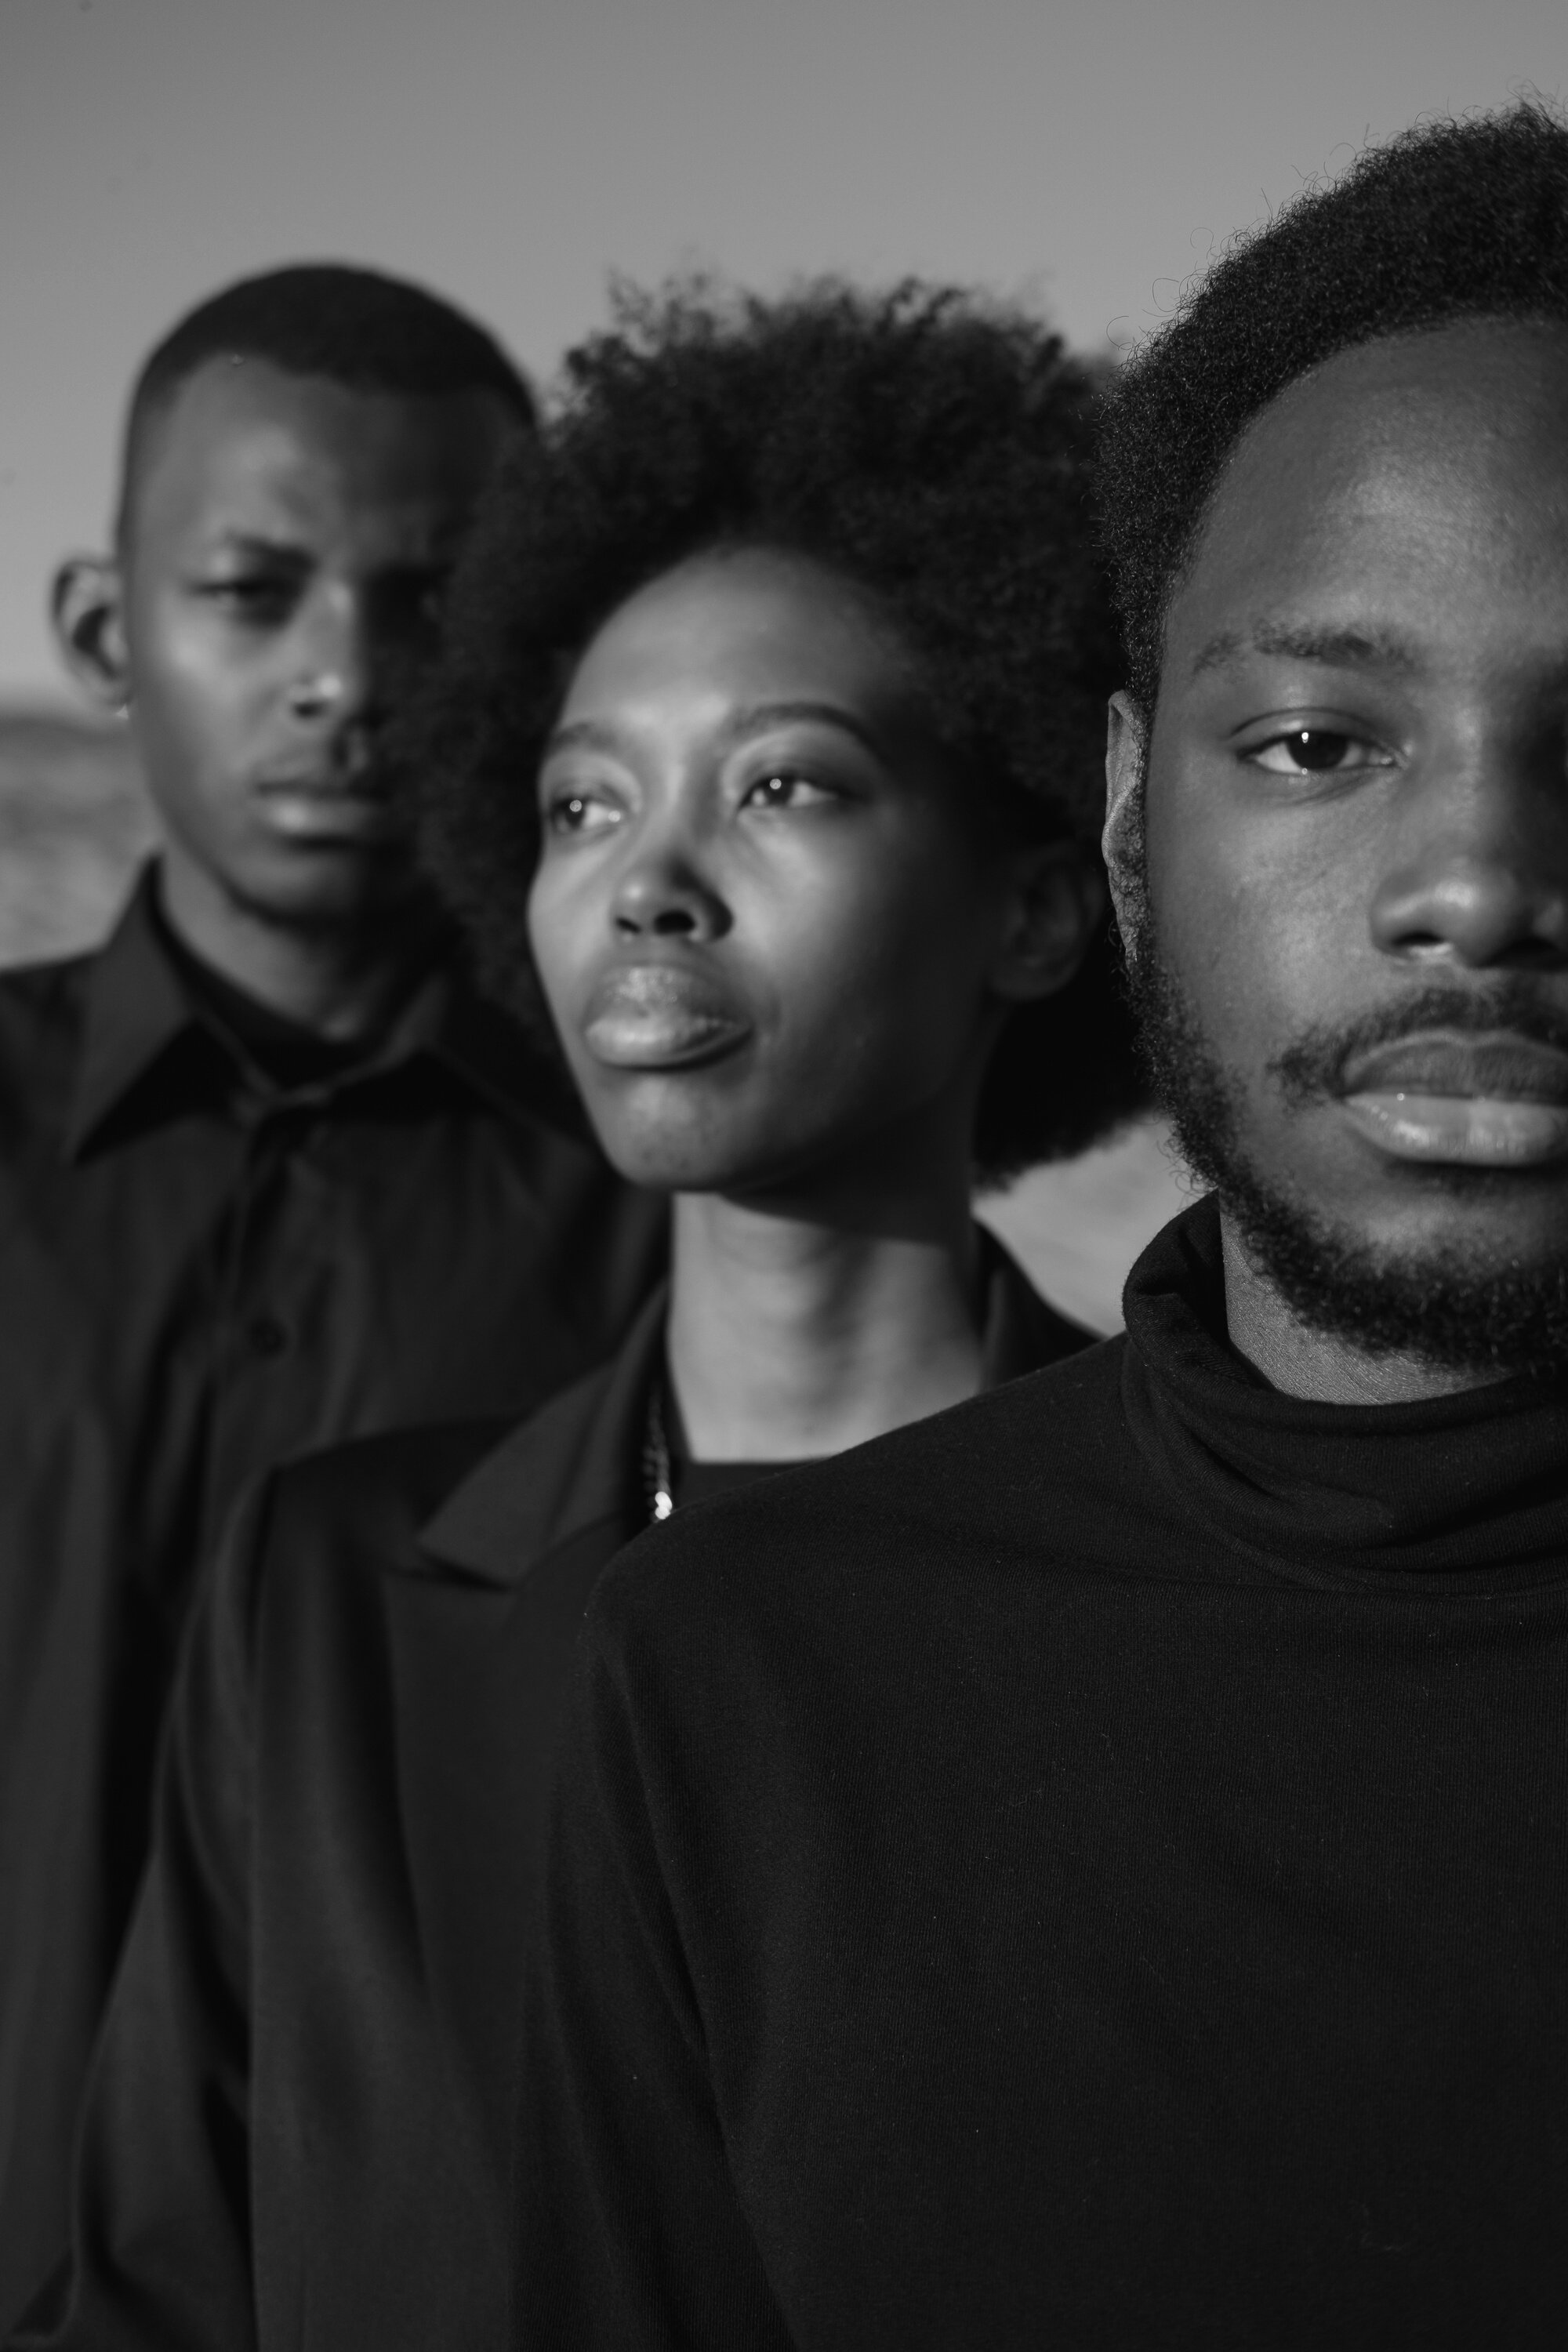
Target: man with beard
point(271, 1173)
point(1090, 1869)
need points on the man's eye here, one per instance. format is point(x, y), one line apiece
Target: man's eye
point(581, 813)
point(1317, 751)
point(254, 596)
point(782, 790)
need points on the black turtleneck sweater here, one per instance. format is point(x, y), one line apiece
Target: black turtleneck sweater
point(1089, 1870)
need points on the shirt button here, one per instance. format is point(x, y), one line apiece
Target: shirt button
point(267, 1337)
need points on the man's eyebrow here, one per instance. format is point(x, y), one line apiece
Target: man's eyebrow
point(258, 546)
point(593, 735)
point(1346, 648)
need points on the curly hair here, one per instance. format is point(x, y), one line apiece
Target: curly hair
point(1452, 220)
point(356, 327)
point(928, 448)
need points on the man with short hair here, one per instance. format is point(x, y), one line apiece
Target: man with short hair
point(1090, 1869)
point(271, 1173)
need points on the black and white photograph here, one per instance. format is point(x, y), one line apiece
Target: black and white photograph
point(784, 1176)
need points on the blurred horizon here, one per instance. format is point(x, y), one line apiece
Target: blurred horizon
point(516, 153)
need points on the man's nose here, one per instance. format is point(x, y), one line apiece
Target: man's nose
point(1481, 876)
point(337, 682)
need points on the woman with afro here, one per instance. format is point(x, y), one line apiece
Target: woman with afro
point(763, 771)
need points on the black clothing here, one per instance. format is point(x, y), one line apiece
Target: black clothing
point(200, 1275)
point(1091, 1870)
point(283, 1053)
point(297, 2128)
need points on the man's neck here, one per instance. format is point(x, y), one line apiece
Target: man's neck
point(341, 981)
point(1318, 1365)
point(790, 1339)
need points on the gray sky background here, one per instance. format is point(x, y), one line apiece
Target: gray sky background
point(1087, 154)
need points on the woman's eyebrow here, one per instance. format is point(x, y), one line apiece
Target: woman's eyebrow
point(584, 734)
point(758, 717)
point(593, 735)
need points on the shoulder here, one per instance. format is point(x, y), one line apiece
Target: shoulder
point(41, 1013)
point(1035, 1475)
point(44, 996)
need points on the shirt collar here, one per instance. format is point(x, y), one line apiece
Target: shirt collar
point(136, 1010)
point(139, 1014)
point(576, 1461)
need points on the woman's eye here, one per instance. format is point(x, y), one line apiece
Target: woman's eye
point(581, 813)
point(782, 790)
point(1317, 751)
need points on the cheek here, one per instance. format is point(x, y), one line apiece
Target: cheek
point(1250, 922)
point(196, 708)
point(548, 934)
point(880, 994)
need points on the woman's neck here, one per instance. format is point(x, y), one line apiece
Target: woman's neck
point(790, 1338)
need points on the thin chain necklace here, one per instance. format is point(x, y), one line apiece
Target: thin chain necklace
point(657, 1483)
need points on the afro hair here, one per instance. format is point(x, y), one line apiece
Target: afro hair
point(929, 450)
point(1452, 220)
point(356, 327)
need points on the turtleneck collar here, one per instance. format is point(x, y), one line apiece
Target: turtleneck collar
point(1472, 1486)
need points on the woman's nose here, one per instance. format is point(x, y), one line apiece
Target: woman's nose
point(662, 893)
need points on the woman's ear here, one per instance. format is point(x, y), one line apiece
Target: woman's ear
point(1126, 746)
point(1056, 906)
point(86, 608)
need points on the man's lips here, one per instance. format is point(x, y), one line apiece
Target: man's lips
point(1489, 1101)
point(328, 809)
point(653, 1017)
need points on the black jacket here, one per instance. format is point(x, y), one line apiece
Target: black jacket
point(202, 1272)
point(297, 2130)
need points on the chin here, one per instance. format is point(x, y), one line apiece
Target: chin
point(669, 1166)
point(324, 891)
point(1474, 1286)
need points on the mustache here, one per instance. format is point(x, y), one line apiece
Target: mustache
point(1511, 1004)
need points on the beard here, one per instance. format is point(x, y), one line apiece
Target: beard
point(1452, 1308)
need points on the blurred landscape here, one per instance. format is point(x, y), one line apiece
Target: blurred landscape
point(74, 823)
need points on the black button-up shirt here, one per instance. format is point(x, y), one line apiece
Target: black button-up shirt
point(202, 1272)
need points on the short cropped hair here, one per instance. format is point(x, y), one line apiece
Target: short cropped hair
point(1453, 220)
point(928, 448)
point(356, 327)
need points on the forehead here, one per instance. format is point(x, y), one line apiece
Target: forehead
point(247, 446)
point(1412, 489)
point(746, 625)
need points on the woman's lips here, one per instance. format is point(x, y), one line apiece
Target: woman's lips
point(1479, 1102)
point(654, 1017)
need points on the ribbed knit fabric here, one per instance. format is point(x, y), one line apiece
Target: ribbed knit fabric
point(1086, 1871)
point(1463, 1484)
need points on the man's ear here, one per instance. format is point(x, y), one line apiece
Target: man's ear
point(1056, 905)
point(86, 606)
point(1126, 744)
